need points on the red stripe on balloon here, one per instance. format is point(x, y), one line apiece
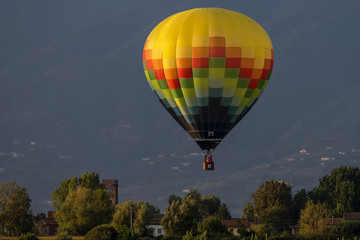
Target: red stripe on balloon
point(264, 74)
point(185, 72)
point(217, 51)
point(233, 62)
point(200, 62)
point(149, 65)
point(173, 83)
point(253, 83)
point(245, 72)
point(159, 74)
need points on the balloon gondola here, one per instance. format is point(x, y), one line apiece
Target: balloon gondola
point(208, 67)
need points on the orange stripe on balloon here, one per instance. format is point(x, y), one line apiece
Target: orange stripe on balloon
point(157, 63)
point(171, 73)
point(200, 52)
point(183, 62)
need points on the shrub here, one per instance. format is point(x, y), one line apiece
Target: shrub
point(63, 236)
point(348, 228)
point(28, 236)
point(190, 236)
point(264, 231)
point(102, 232)
point(124, 232)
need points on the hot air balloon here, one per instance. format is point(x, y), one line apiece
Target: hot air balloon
point(208, 67)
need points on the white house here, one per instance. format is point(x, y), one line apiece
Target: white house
point(155, 224)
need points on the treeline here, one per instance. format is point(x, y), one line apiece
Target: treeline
point(310, 213)
point(83, 208)
point(81, 204)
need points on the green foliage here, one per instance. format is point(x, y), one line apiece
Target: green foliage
point(339, 190)
point(223, 212)
point(84, 209)
point(299, 201)
point(86, 180)
point(272, 193)
point(264, 230)
point(63, 236)
point(142, 213)
point(185, 215)
point(189, 236)
point(277, 217)
point(245, 232)
point(102, 232)
point(248, 212)
point(124, 232)
point(181, 217)
point(348, 228)
point(312, 219)
point(273, 204)
point(173, 198)
point(28, 236)
point(213, 227)
point(15, 213)
point(210, 205)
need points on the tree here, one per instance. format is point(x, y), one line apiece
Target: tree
point(15, 213)
point(180, 218)
point(275, 217)
point(339, 190)
point(86, 180)
point(173, 198)
point(210, 205)
point(102, 232)
point(312, 219)
point(223, 212)
point(142, 213)
point(272, 205)
point(171, 222)
point(124, 232)
point(347, 229)
point(84, 209)
point(248, 212)
point(272, 193)
point(299, 201)
point(213, 227)
point(189, 236)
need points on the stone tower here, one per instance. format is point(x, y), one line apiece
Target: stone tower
point(111, 186)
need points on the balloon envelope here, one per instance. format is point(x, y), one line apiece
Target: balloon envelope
point(208, 67)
